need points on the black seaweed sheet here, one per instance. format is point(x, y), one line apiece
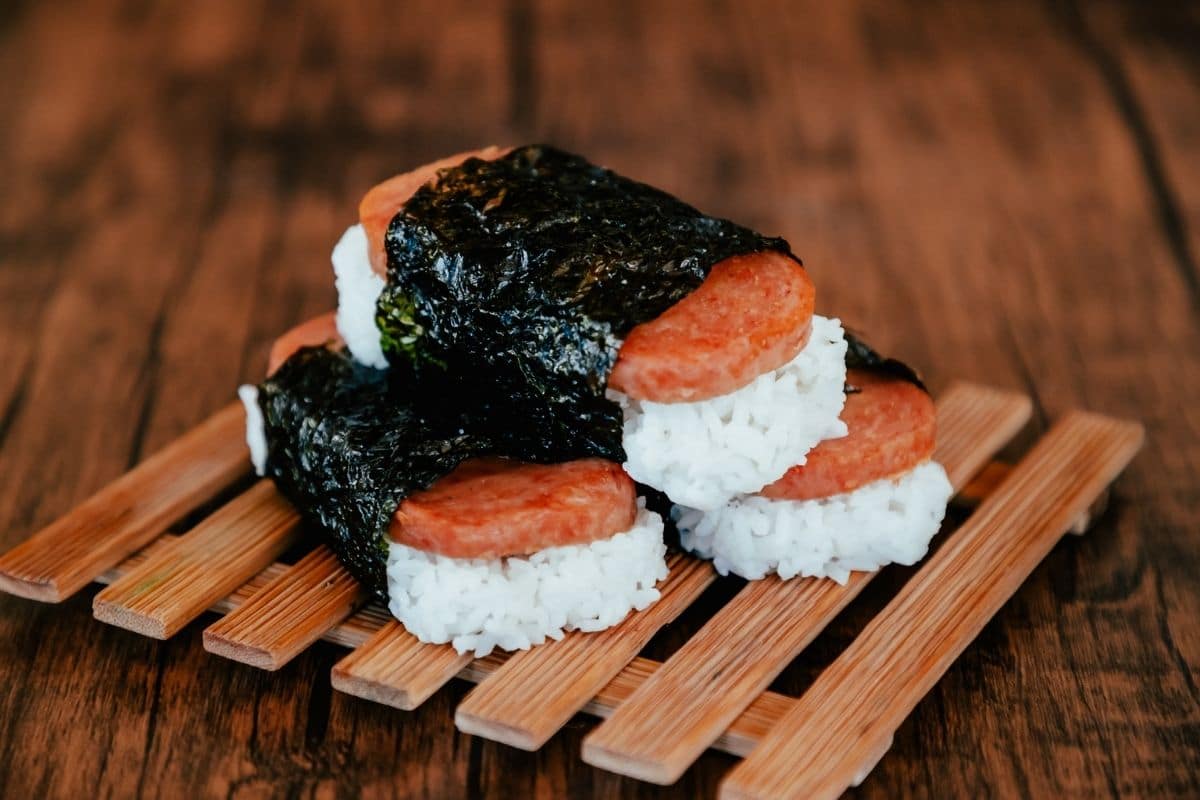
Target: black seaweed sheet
point(860, 355)
point(347, 443)
point(523, 273)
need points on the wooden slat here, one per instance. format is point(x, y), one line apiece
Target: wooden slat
point(738, 740)
point(973, 424)
point(127, 514)
point(992, 475)
point(536, 692)
point(395, 669)
point(213, 559)
point(289, 614)
point(837, 731)
point(678, 713)
point(352, 632)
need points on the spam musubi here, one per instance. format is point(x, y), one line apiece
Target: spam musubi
point(463, 546)
point(522, 338)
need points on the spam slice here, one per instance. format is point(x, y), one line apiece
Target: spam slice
point(892, 427)
point(751, 315)
point(492, 508)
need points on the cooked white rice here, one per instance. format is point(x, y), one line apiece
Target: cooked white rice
point(705, 453)
point(883, 522)
point(358, 289)
point(515, 603)
point(256, 437)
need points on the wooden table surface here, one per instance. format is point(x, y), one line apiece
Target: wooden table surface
point(1008, 193)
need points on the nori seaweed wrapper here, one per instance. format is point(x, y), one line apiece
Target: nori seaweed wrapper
point(860, 355)
point(347, 443)
point(524, 273)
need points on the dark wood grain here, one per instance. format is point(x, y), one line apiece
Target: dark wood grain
point(1007, 193)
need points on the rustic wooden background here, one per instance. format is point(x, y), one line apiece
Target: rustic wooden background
point(1005, 192)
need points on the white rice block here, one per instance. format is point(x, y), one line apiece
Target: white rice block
point(256, 437)
point(705, 453)
point(518, 602)
point(888, 521)
point(358, 289)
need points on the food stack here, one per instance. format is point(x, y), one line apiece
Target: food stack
point(527, 346)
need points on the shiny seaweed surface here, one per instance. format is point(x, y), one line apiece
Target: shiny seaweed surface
point(525, 272)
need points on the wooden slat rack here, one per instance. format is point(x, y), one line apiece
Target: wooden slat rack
point(659, 716)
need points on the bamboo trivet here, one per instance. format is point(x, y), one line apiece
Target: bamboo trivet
point(709, 694)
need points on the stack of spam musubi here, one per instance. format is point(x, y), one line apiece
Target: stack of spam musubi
point(525, 343)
